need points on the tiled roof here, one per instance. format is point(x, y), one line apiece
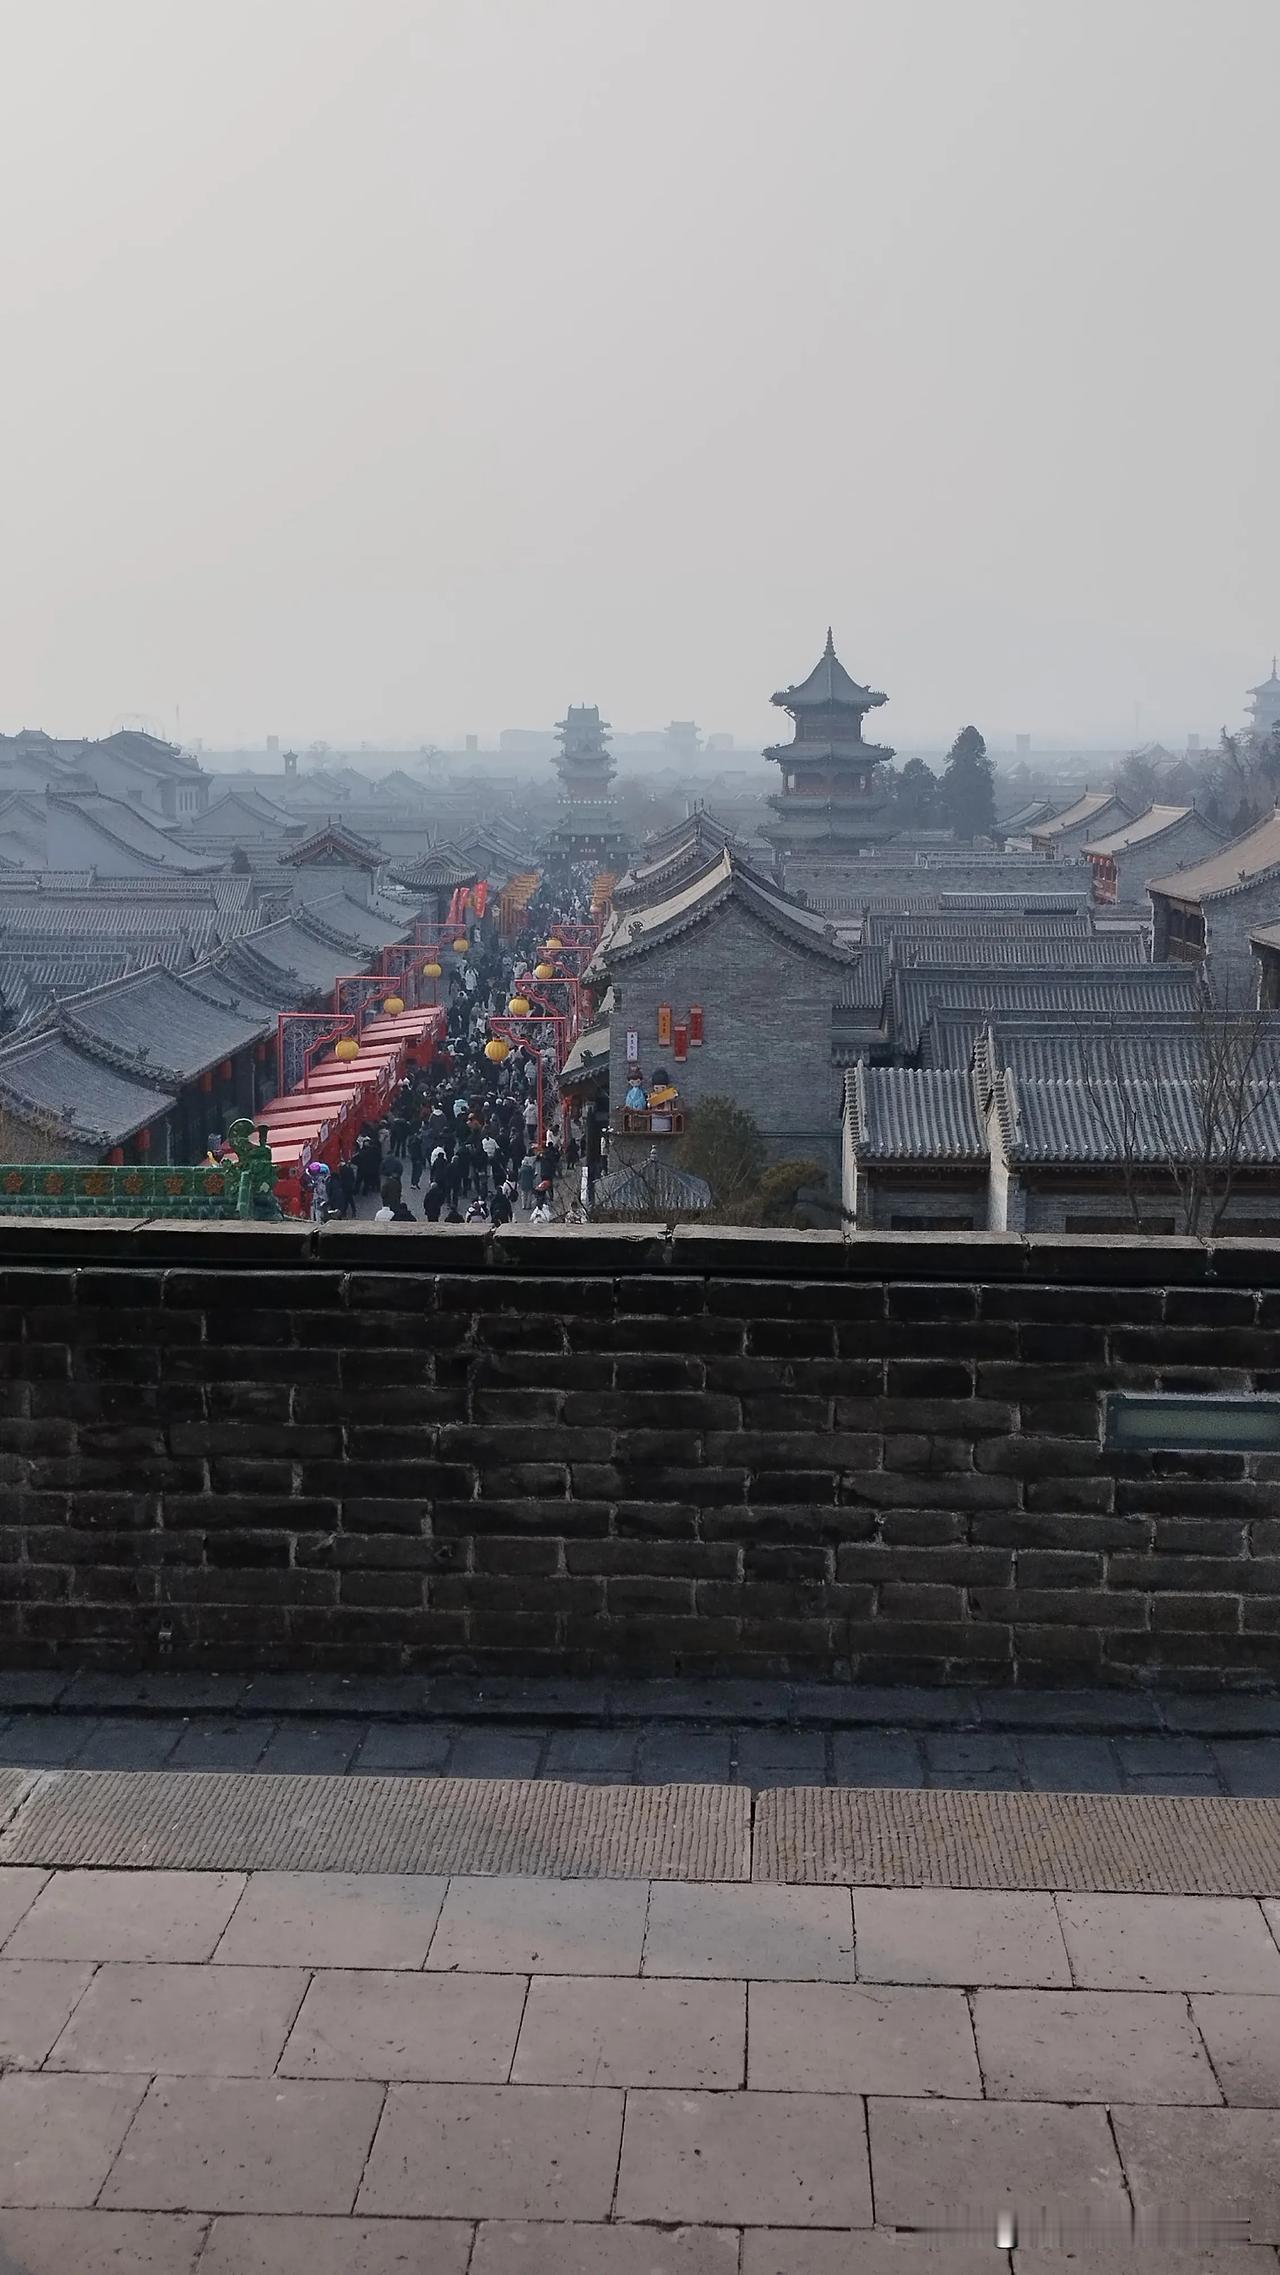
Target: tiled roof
point(357, 852)
point(1148, 1122)
point(828, 683)
point(1161, 1050)
point(1090, 807)
point(1023, 948)
point(156, 1027)
point(122, 827)
point(948, 924)
point(587, 1058)
point(1244, 862)
point(864, 989)
point(652, 1185)
point(634, 932)
point(48, 1082)
point(1025, 818)
point(440, 869)
point(1153, 824)
point(951, 1034)
point(899, 1114)
point(1044, 993)
point(353, 924)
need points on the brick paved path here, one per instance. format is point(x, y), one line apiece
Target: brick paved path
point(757, 1735)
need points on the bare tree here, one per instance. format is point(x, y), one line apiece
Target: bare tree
point(1187, 1125)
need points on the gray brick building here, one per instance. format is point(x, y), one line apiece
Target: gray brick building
point(730, 960)
point(1163, 839)
point(1207, 914)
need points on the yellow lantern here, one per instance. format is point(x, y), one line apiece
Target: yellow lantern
point(393, 1005)
point(348, 1048)
point(519, 1007)
point(433, 971)
point(554, 947)
point(461, 944)
point(497, 1049)
point(544, 971)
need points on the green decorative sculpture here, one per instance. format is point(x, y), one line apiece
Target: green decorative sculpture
point(257, 1170)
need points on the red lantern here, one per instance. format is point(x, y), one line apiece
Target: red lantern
point(116, 1157)
point(664, 1026)
point(681, 1042)
point(260, 1053)
point(695, 1022)
point(206, 1081)
point(224, 1071)
point(143, 1141)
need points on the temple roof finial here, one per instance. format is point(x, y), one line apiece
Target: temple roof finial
point(830, 648)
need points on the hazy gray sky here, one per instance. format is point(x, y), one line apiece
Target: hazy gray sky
point(391, 367)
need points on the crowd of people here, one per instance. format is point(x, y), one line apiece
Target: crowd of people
point(477, 1137)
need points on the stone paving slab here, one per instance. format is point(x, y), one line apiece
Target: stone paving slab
point(1031, 1742)
point(144, 1819)
point(1146, 1844)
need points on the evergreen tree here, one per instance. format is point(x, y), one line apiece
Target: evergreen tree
point(968, 787)
point(917, 797)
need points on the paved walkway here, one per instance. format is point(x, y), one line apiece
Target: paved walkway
point(308, 2074)
point(658, 1750)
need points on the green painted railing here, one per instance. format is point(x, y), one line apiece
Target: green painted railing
point(90, 1188)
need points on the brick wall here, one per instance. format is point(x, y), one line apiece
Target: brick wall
point(876, 1458)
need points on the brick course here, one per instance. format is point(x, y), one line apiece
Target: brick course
point(780, 1454)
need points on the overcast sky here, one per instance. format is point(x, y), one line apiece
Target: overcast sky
point(388, 368)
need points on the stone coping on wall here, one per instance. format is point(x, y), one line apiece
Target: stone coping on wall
point(685, 1250)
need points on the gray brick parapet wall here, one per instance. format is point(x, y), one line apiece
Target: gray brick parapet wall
point(877, 1458)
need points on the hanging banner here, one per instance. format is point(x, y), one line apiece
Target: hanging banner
point(664, 1026)
point(681, 1042)
point(695, 1023)
point(633, 1046)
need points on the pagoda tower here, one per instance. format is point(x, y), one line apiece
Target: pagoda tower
point(831, 800)
point(1264, 709)
point(588, 827)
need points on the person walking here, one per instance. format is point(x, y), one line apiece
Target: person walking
point(527, 1180)
point(417, 1157)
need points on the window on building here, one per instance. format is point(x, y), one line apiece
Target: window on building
point(932, 1224)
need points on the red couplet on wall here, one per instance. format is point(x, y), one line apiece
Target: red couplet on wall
point(695, 1023)
point(680, 1042)
point(664, 1026)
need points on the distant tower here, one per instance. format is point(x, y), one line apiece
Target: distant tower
point(831, 799)
point(1264, 709)
point(682, 741)
point(588, 827)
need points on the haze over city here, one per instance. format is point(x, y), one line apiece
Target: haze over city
point(402, 372)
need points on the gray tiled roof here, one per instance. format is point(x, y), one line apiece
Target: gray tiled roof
point(652, 1185)
point(901, 1114)
point(1242, 863)
point(1044, 993)
point(1150, 1122)
point(1021, 949)
point(864, 990)
point(157, 1027)
point(951, 1035)
point(49, 1082)
point(827, 684)
point(954, 924)
point(122, 827)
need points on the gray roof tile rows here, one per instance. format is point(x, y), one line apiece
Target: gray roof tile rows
point(900, 1114)
point(914, 994)
point(46, 1080)
point(158, 1027)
